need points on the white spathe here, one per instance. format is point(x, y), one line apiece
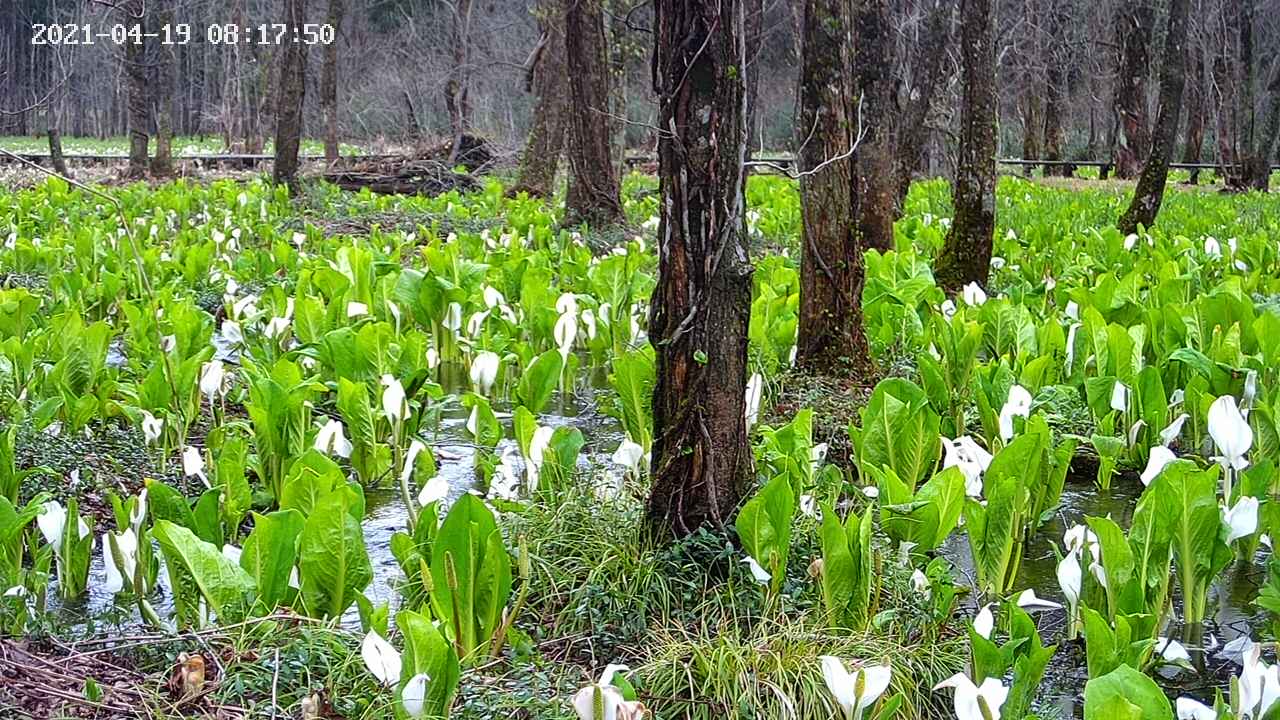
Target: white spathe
point(394, 404)
point(984, 622)
point(414, 695)
point(1242, 519)
point(973, 294)
point(970, 699)
point(1029, 602)
point(331, 440)
point(858, 690)
point(758, 573)
point(629, 454)
point(1230, 432)
point(212, 375)
point(193, 464)
point(972, 459)
point(1017, 405)
point(484, 371)
point(1173, 429)
point(1159, 458)
point(1070, 578)
point(1189, 709)
point(151, 427)
point(755, 388)
point(382, 660)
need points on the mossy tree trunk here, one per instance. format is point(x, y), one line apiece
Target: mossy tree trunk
point(875, 191)
point(1149, 192)
point(966, 252)
point(832, 272)
point(702, 302)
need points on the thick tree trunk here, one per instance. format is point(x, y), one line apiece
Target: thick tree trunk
point(927, 76)
point(966, 252)
point(162, 99)
point(329, 82)
point(292, 93)
point(619, 60)
point(1149, 193)
point(593, 196)
point(702, 303)
point(876, 190)
point(831, 266)
point(548, 82)
point(457, 89)
point(1134, 23)
point(1197, 111)
point(135, 67)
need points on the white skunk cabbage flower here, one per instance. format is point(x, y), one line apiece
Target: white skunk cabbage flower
point(331, 440)
point(1230, 432)
point(1159, 458)
point(755, 388)
point(484, 371)
point(394, 404)
point(976, 702)
point(1017, 405)
point(858, 690)
point(382, 660)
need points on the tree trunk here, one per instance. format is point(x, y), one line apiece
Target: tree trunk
point(927, 76)
point(55, 148)
point(292, 93)
point(831, 266)
point(548, 82)
point(593, 196)
point(1032, 121)
point(135, 67)
point(457, 90)
point(702, 302)
point(875, 198)
point(1149, 193)
point(162, 99)
point(1134, 22)
point(1197, 111)
point(966, 252)
point(1055, 94)
point(411, 114)
point(329, 82)
point(619, 59)
point(753, 27)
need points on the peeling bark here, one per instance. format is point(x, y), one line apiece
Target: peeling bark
point(702, 302)
point(1134, 23)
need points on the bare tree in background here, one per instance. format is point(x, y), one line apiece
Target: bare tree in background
point(875, 194)
point(329, 82)
point(1133, 23)
point(927, 77)
point(1149, 193)
point(290, 96)
point(702, 302)
point(546, 78)
point(457, 90)
point(135, 68)
point(162, 95)
point(831, 267)
point(966, 252)
point(1197, 107)
point(593, 196)
point(1055, 90)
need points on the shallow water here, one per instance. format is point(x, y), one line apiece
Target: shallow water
point(385, 513)
point(1062, 693)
